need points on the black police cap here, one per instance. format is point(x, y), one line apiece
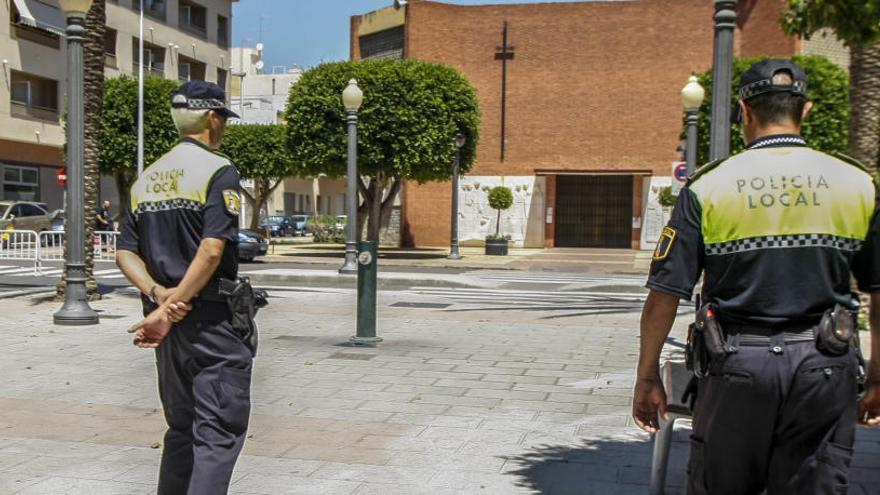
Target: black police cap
point(202, 95)
point(759, 80)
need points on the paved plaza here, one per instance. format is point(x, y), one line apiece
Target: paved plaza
point(479, 397)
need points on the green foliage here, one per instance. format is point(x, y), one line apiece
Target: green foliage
point(826, 127)
point(118, 150)
point(258, 151)
point(666, 198)
point(500, 198)
point(854, 21)
point(411, 112)
point(327, 229)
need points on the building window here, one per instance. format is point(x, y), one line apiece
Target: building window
point(41, 30)
point(222, 31)
point(154, 59)
point(33, 96)
point(193, 18)
point(222, 74)
point(384, 44)
point(152, 8)
point(21, 183)
point(189, 69)
point(110, 48)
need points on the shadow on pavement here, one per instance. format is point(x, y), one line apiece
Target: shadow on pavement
point(595, 467)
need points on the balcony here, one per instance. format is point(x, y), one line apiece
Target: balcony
point(149, 70)
point(110, 61)
point(24, 111)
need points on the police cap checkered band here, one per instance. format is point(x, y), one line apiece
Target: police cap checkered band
point(201, 95)
point(759, 79)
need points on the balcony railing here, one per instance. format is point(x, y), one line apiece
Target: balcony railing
point(110, 60)
point(200, 31)
point(152, 70)
point(23, 110)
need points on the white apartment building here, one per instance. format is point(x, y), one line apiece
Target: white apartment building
point(183, 40)
point(259, 96)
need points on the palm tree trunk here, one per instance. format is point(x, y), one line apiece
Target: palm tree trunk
point(93, 84)
point(864, 120)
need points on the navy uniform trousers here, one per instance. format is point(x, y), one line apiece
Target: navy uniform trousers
point(204, 383)
point(779, 421)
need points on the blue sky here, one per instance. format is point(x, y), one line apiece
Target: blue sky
point(306, 32)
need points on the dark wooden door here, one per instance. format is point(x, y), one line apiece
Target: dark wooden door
point(594, 211)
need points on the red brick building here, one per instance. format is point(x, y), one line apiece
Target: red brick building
point(593, 111)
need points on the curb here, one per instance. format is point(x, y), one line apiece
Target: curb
point(350, 281)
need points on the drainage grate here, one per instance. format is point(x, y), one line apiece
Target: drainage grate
point(351, 356)
point(420, 305)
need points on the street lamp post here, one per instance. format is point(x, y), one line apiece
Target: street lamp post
point(76, 310)
point(691, 98)
point(453, 245)
point(722, 71)
point(352, 98)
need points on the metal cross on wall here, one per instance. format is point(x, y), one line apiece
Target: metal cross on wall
point(504, 53)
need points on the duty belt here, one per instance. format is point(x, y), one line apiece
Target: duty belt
point(762, 335)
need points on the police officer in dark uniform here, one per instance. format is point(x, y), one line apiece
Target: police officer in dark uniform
point(177, 245)
point(775, 233)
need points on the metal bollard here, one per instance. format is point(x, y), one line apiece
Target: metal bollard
point(367, 294)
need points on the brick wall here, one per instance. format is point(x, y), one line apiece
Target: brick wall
point(826, 43)
point(594, 86)
point(760, 33)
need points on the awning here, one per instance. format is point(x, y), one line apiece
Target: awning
point(40, 15)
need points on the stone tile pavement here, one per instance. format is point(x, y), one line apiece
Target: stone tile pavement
point(453, 402)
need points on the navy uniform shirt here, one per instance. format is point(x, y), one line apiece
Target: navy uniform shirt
point(775, 232)
point(189, 194)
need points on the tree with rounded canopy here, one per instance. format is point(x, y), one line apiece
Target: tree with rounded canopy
point(118, 140)
point(826, 126)
point(259, 152)
point(500, 198)
point(406, 130)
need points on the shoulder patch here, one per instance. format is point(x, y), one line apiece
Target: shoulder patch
point(704, 169)
point(232, 200)
point(664, 244)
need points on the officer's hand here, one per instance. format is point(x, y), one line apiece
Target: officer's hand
point(649, 400)
point(151, 331)
point(869, 405)
point(178, 311)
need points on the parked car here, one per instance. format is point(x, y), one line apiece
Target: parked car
point(24, 215)
point(251, 245)
point(300, 224)
point(57, 221)
point(277, 226)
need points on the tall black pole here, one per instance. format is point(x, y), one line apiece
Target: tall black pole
point(722, 72)
point(453, 246)
point(76, 309)
point(350, 265)
point(692, 118)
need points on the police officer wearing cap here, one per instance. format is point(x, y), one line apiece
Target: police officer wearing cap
point(775, 232)
point(177, 242)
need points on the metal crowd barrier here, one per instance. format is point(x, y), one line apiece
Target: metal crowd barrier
point(27, 245)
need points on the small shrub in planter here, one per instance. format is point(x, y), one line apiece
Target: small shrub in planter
point(666, 198)
point(500, 198)
point(326, 229)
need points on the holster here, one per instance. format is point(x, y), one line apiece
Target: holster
point(837, 333)
point(244, 301)
point(705, 341)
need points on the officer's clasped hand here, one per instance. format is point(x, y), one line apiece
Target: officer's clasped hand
point(152, 330)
